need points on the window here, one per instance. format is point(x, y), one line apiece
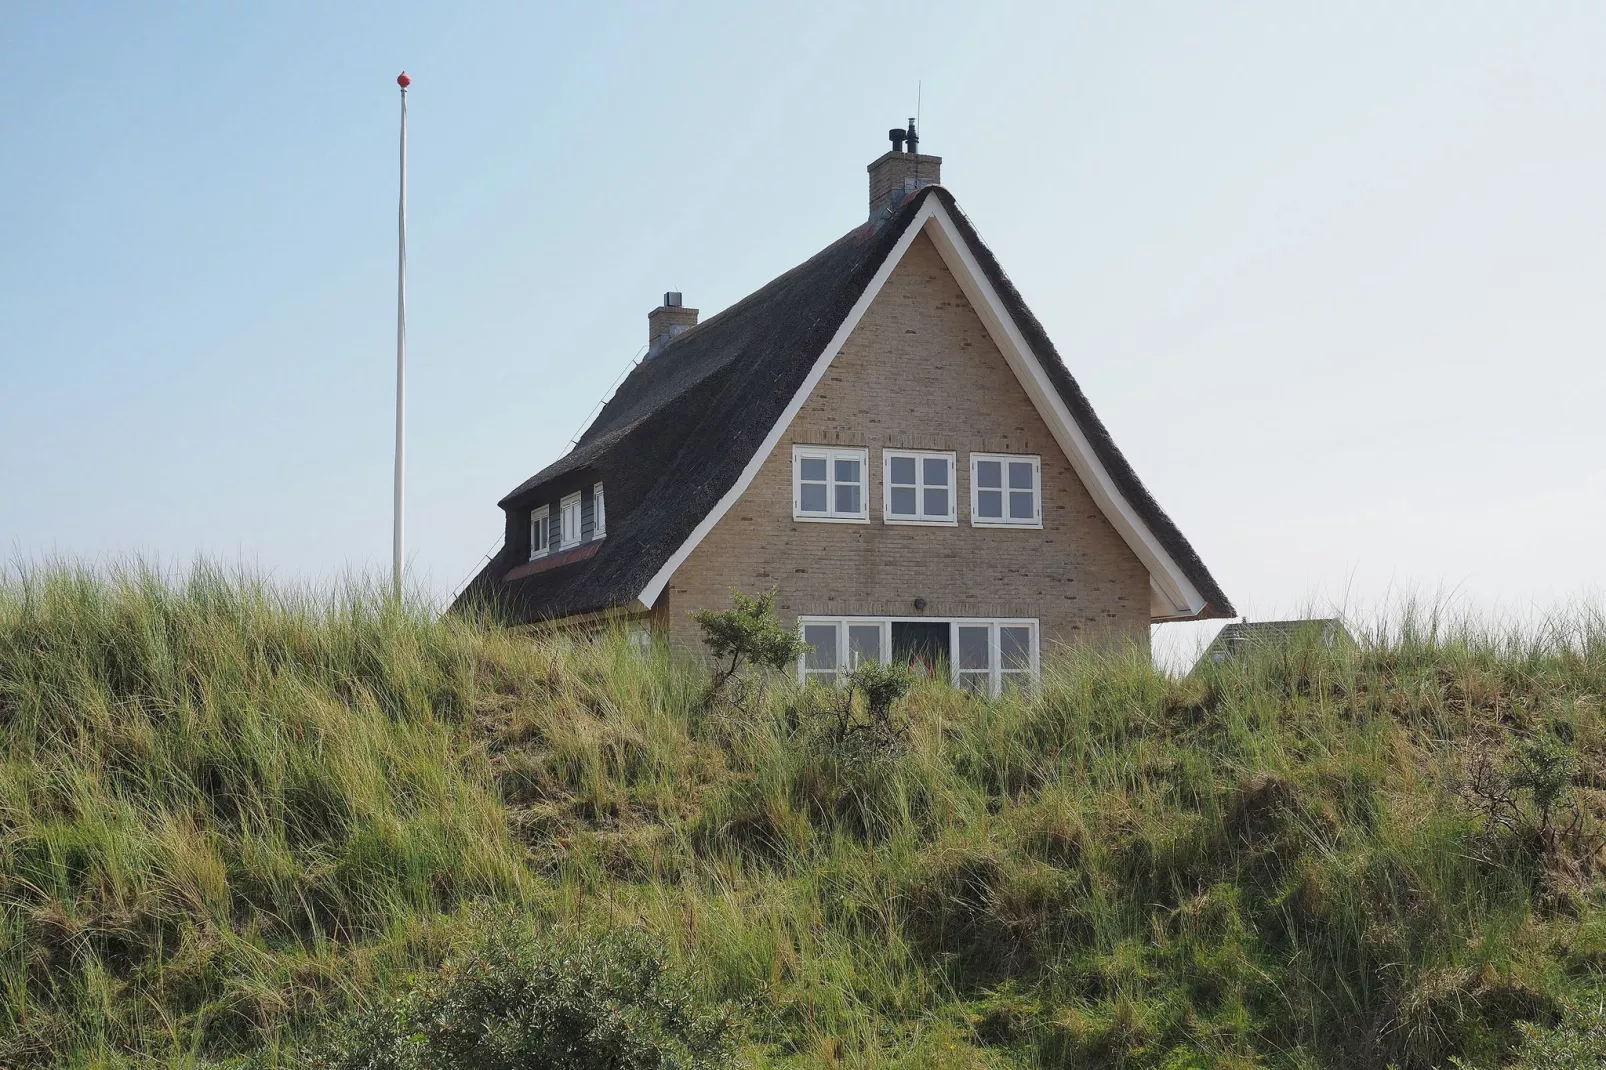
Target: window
point(918, 488)
point(571, 521)
point(599, 521)
point(1017, 655)
point(992, 656)
point(540, 532)
point(864, 644)
point(985, 657)
point(837, 647)
point(1005, 491)
point(829, 484)
point(820, 658)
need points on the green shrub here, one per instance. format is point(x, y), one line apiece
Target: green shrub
point(571, 1000)
point(1577, 1043)
point(746, 634)
point(857, 718)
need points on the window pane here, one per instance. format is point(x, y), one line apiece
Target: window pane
point(934, 471)
point(1020, 475)
point(812, 468)
point(903, 501)
point(990, 504)
point(1015, 647)
point(847, 496)
point(973, 647)
point(864, 644)
point(903, 469)
point(974, 682)
point(847, 470)
point(937, 501)
point(822, 639)
point(812, 498)
point(989, 474)
point(1020, 505)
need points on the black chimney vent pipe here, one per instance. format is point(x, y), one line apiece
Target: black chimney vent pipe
point(895, 135)
point(913, 138)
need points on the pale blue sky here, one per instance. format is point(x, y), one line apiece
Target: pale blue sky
point(1334, 274)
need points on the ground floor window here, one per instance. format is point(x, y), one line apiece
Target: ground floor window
point(981, 655)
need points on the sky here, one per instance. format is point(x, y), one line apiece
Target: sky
point(1334, 274)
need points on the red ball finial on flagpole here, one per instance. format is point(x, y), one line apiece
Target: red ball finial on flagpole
point(403, 81)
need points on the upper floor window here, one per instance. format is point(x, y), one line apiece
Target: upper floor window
point(829, 483)
point(540, 532)
point(599, 515)
point(570, 529)
point(918, 487)
point(1006, 490)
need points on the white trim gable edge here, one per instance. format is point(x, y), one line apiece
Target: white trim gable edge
point(1171, 593)
point(660, 580)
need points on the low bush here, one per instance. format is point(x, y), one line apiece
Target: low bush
point(567, 1000)
point(1578, 1042)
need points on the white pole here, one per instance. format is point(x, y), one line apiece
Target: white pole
point(401, 350)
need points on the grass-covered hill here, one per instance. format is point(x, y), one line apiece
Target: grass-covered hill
point(230, 817)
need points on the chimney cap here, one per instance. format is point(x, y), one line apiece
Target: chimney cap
point(672, 299)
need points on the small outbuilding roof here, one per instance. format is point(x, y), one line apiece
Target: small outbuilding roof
point(1240, 636)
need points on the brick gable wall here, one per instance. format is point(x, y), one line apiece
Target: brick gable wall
point(920, 372)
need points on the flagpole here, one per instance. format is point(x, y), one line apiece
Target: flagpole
point(401, 351)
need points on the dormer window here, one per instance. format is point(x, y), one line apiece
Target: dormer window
point(540, 532)
point(569, 511)
point(599, 521)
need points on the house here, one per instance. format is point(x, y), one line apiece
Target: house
point(886, 435)
point(1238, 638)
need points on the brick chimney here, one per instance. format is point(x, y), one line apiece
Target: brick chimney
point(897, 174)
point(666, 321)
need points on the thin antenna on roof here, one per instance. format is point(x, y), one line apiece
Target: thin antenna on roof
point(914, 138)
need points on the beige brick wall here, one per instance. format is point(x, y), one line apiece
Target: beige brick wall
point(920, 371)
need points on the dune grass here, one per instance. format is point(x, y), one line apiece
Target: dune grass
point(229, 813)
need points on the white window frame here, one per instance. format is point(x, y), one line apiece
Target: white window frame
point(540, 521)
point(599, 515)
point(995, 670)
point(1037, 491)
point(569, 526)
point(995, 661)
point(920, 517)
point(831, 454)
